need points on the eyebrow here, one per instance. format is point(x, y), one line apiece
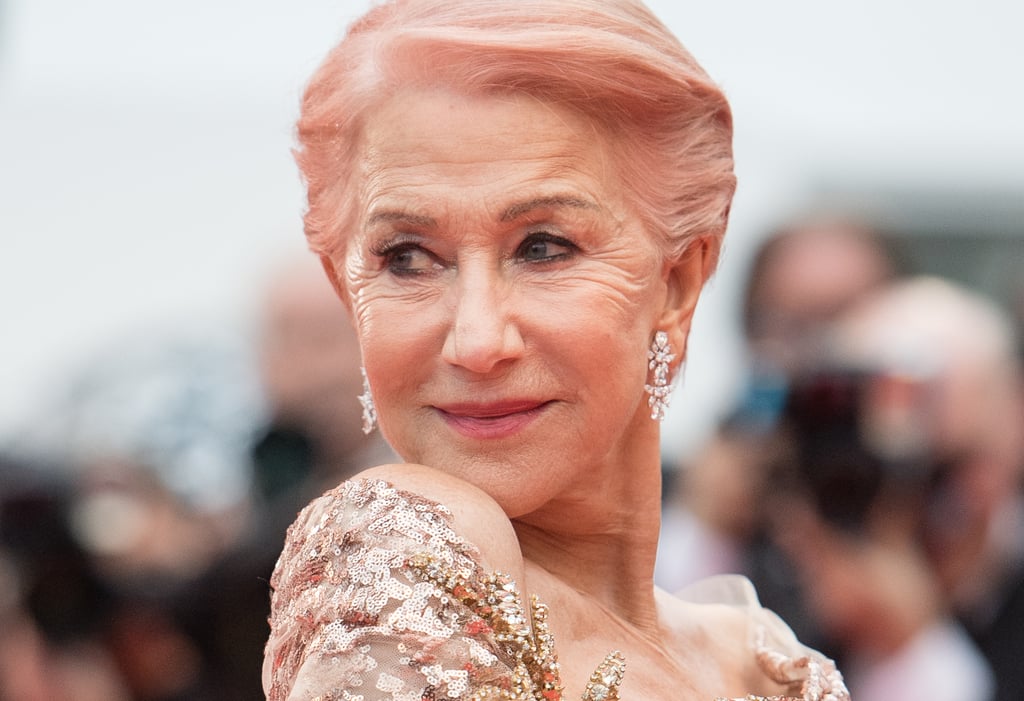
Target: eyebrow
point(510, 213)
point(393, 215)
point(520, 208)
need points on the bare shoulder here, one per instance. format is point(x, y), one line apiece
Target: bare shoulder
point(474, 515)
point(754, 650)
point(717, 626)
point(722, 630)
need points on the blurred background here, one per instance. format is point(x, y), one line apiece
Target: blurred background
point(167, 350)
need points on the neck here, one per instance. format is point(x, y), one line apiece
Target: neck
point(601, 538)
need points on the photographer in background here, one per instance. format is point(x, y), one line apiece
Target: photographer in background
point(803, 276)
point(903, 478)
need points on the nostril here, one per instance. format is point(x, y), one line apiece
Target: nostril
point(481, 338)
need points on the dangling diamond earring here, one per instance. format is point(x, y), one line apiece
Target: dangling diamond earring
point(660, 356)
point(369, 410)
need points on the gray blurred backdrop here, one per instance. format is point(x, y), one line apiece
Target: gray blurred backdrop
point(146, 181)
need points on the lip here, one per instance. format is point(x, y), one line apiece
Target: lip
point(491, 420)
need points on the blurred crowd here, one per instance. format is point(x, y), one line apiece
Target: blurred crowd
point(141, 518)
point(868, 480)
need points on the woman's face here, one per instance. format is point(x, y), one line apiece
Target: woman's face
point(505, 296)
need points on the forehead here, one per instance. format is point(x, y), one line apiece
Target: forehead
point(438, 141)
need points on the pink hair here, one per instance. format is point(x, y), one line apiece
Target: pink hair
point(611, 60)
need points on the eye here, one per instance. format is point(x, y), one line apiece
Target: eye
point(407, 258)
point(543, 247)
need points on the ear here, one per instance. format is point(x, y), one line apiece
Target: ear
point(336, 283)
point(684, 280)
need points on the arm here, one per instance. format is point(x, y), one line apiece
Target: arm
point(366, 603)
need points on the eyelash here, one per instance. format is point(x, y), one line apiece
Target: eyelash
point(389, 250)
point(545, 237)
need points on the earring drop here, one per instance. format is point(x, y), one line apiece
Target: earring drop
point(369, 410)
point(660, 355)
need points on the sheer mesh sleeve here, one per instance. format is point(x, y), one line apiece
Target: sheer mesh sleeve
point(805, 673)
point(353, 618)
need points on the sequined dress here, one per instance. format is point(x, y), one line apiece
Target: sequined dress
point(376, 598)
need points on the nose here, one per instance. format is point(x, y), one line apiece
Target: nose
point(483, 334)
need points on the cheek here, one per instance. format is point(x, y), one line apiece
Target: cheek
point(610, 307)
point(389, 317)
point(595, 336)
point(401, 343)
point(391, 334)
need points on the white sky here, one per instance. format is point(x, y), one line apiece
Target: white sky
point(145, 175)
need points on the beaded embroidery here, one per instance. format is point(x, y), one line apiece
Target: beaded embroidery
point(495, 600)
point(377, 598)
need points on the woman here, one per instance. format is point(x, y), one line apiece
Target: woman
point(519, 204)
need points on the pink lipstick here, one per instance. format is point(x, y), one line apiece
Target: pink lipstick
point(491, 420)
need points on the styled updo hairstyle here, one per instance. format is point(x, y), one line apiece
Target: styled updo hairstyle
point(612, 61)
